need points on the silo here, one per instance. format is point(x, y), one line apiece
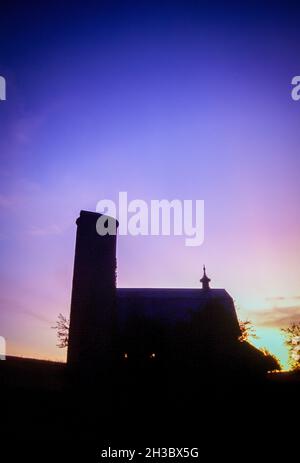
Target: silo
point(93, 301)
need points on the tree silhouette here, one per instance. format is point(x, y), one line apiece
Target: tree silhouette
point(247, 330)
point(62, 328)
point(292, 341)
point(274, 361)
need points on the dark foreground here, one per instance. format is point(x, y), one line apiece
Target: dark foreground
point(44, 402)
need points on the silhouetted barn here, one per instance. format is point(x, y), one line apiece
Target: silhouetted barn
point(138, 324)
point(153, 323)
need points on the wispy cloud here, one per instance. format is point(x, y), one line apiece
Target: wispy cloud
point(24, 191)
point(26, 127)
point(39, 317)
point(281, 298)
point(45, 231)
point(277, 317)
point(9, 305)
point(6, 201)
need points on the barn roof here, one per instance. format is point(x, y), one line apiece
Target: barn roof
point(168, 304)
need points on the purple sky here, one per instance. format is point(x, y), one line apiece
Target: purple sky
point(163, 102)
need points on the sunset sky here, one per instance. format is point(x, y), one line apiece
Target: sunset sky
point(162, 101)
